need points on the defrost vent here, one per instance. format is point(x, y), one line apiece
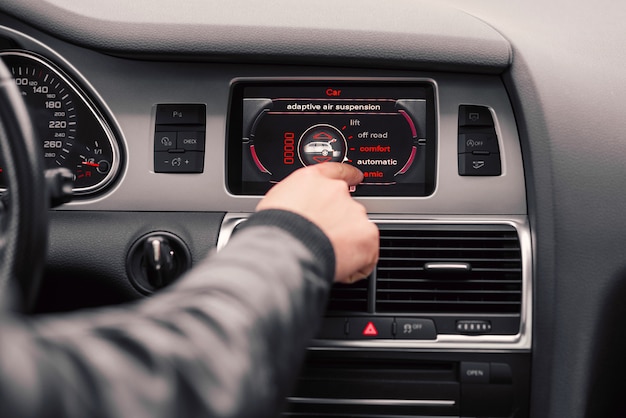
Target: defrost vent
point(466, 278)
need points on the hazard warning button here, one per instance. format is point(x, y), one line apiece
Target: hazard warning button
point(370, 327)
point(370, 330)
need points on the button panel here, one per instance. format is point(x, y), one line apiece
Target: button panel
point(476, 142)
point(415, 329)
point(479, 164)
point(479, 152)
point(475, 372)
point(181, 114)
point(179, 138)
point(178, 162)
point(335, 328)
point(473, 327)
point(484, 373)
point(377, 327)
point(370, 328)
point(191, 141)
point(164, 141)
point(470, 115)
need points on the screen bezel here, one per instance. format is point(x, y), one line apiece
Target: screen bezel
point(234, 129)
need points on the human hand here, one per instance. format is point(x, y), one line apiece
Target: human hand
point(320, 194)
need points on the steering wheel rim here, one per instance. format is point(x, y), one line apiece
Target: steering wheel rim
point(24, 229)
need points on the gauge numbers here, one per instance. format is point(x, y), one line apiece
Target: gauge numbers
point(72, 132)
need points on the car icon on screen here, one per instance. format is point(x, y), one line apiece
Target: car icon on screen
point(321, 148)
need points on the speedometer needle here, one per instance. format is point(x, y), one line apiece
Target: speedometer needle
point(90, 164)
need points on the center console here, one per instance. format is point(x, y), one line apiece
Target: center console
point(443, 325)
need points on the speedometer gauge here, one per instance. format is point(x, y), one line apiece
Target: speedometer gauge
point(72, 132)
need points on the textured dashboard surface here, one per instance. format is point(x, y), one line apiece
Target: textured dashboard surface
point(422, 34)
point(131, 89)
point(568, 85)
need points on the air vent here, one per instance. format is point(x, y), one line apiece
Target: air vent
point(460, 270)
point(440, 269)
point(369, 387)
point(466, 279)
point(349, 298)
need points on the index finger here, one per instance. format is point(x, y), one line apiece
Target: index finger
point(339, 171)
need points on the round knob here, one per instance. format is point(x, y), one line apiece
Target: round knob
point(156, 260)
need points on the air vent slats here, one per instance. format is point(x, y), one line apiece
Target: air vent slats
point(451, 302)
point(408, 248)
point(483, 270)
point(349, 298)
point(449, 237)
point(443, 293)
point(491, 285)
point(473, 282)
point(426, 259)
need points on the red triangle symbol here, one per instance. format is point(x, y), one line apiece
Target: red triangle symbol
point(321, 159)
point(370, 330)
point(322, 135)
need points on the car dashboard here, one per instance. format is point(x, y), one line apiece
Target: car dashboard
point(482, 173)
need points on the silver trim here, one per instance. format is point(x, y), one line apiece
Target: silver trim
point(206, 83)
point(522, 341)
point(447, 267)
point(229, 223)
point(371, 402)
point(82, 96)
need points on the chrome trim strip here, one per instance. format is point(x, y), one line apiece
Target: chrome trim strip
point(229, 224)
point(371, 402)
point(447, 267)
point(522, 341)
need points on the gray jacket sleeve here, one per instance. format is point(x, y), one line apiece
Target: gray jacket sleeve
point(226, 341)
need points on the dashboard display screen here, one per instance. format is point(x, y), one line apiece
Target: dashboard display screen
point(385, 129)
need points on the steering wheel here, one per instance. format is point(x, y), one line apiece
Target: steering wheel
point(24, 212)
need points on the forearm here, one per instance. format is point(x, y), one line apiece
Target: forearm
point(225, 342)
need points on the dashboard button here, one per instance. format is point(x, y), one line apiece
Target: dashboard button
point(500, 374)
point(191, 141)
point(164, 141)
point(473, 326)
point(475, 372)
point(333, 329)
point(481, 142)
point(471, 115)
point(179, 162)
point(370, 328)
point(415, 329)
point(181, 114)
point(479, 165)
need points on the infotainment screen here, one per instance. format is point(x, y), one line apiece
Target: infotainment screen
point(385, 129)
